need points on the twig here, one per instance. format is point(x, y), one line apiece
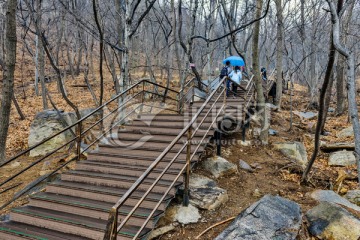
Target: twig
point(212, 226)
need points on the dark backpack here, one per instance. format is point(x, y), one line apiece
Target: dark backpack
point(223, 72)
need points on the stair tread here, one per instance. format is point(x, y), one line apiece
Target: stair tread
point(73, 219)
point(153, 130)
point(119, 157)
point(33, 232)
point(143, 153)
point(172, 125)
point(110, 190)
point(123, 166)
point(154, 138)
point(116, 176)
point(92, 204)
point(154, 147)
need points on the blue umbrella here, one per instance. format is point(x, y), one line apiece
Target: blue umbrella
point(235, 61)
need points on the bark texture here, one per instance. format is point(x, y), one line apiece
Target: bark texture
point(8, 75)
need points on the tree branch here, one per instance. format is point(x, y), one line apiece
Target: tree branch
point(237, 29)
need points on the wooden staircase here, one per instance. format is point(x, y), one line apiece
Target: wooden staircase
point(77, 206)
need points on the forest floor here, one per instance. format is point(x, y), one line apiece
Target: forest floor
point(274, 176)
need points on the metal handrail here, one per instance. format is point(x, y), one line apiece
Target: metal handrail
point(176, 178)
point(112, 229)
point(81, 120)
point(81, 133)
point(174, 158)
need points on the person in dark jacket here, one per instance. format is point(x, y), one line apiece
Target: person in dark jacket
point(263, 74)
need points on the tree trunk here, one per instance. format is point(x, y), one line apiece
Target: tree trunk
point(350, 82)
point(257, 75)
point(101, 47)
point(18, 109)
point(8, 75)
point(279, 52)
point(322, 97)
point(340, 106)
point(340, 91)
point(40, 55)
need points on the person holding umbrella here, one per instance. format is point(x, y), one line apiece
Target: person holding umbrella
point(235, 76)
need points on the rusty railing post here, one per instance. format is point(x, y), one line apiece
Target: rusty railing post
point(142, 100)
point(193, 92)
point(188, 166)
point(111, 226)
point(78, 140)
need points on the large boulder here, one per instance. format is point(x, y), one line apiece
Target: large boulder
point(342, 158)
point(46, 124)
point(296, 151)
point(186, 215)
point(272, 217)
point(330, 221)
point(332, 197)
point(205, 194)
point(219, 166)
point(208, 198)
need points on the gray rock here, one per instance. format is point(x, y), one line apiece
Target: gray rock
point(271, 106)
point(306, 115)
point(332, 197)
point(347, 132)
point(296, 151)
point(329, 221)
point(353, 196)
point(201, 181)
point(271, 217)
point(199, 95)
point(186, 215)
point(331, 110)
point(272, 132)
point(219, 166)
point(342, 158)
point(244, 165)
point(46, 124)
point(208, 198)
point(204, 193)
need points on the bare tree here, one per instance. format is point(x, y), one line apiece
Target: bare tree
point(279, 52)
point(256, 70)
point(343, 50)
point(8, 75)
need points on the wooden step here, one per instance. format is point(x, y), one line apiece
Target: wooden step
point(153, 138)
point(173, 125)
point(91, 228)
point(168, 118)
point(90, 208)
point(16, 230)
point(107, 194)
point(156, 148)
point(116, 180)
point(155, 131)
point(130, 170)
point(138, 160)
